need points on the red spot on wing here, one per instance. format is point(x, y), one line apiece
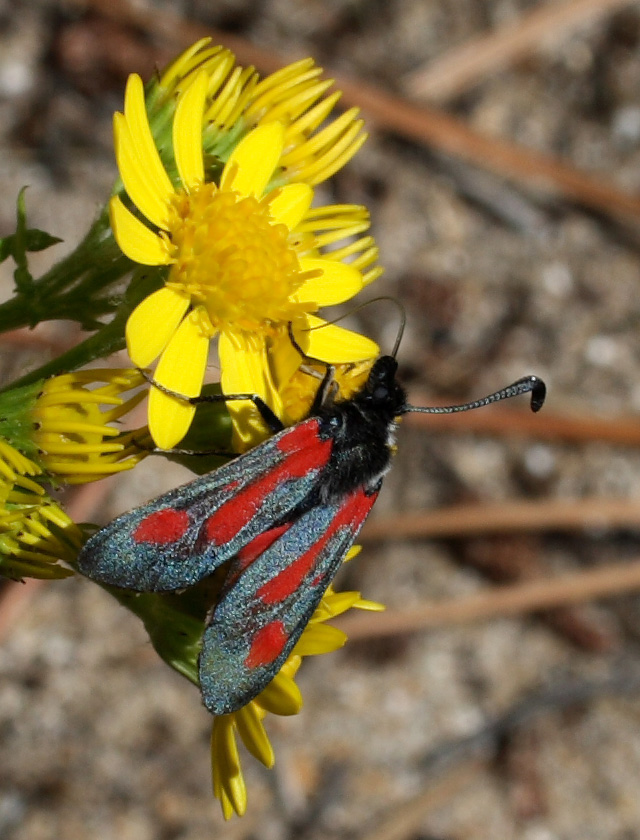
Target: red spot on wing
point(253, 550)
point(352, 514)
point(304, 451)
point(162, 527)
point(267, 645)
point(261, 543)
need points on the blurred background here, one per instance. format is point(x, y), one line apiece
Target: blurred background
point(499, 697)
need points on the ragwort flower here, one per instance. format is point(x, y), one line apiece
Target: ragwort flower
point(243, 248)
point(53, 432)
point(73, 432)
point(65, 424)
point(35, 533)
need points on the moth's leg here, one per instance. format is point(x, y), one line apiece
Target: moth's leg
point(202, 453)
point(145, 446)
point(270, 418)
point(327, 390)
point(328, 387)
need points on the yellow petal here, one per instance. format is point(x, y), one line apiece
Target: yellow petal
point(242, 364)
point(141, 168)
point(253, 734)
point(291, 204)
point(134, 238)
point(337, 603)
point(299, 98)
point(284, 358)
point(320, 638)
point(253, 161)
point(152, 323)
point(245, 370)
point(227, 772)
point(181, 369)
point(336, 157)
point(187, 132)
point(335, 283)
point(282, 696)
point(372, 606)
point(336, 345)
point(174, 71)
point(322, 141)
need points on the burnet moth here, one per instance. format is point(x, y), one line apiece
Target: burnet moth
point(283, 516)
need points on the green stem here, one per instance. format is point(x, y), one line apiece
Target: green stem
point(67, 269)
point(107, 340)
point(74, 287)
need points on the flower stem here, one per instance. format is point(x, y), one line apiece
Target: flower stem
point(74, 288)
point(107, 340)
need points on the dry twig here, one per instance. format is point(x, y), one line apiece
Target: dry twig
point(463, 67)
point(405, 821)
point(518, 558)
point(500, 602)
point(512, 421)
point(506, 517)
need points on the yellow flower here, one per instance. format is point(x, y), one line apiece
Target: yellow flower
point(237, 101)
point(35, 533)
point(75, 442)
point(297, 398)
point(282, 697)
point(242, 246)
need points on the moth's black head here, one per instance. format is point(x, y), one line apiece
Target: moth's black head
point(381, 391)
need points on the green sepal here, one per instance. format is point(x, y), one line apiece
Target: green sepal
point(12, 568)
point(34, 240)
point(16, 422)
point(175, 622)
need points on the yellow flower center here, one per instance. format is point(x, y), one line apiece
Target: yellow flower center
point(230, 256)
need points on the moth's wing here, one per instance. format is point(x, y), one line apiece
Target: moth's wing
point(272, 590)
point(176, 540)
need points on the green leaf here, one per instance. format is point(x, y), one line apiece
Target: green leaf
point(40, 240)
point(24, 240)
point(35, 240)
point(22, 275)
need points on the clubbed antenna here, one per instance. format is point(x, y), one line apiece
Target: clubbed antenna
point(528, 384)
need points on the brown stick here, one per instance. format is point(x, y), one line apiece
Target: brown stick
point(499, 602)
point(454, 137)
point(506, 518)
point(463, 67)
point(544, 426)
point(424, 125)
point(405, 820)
